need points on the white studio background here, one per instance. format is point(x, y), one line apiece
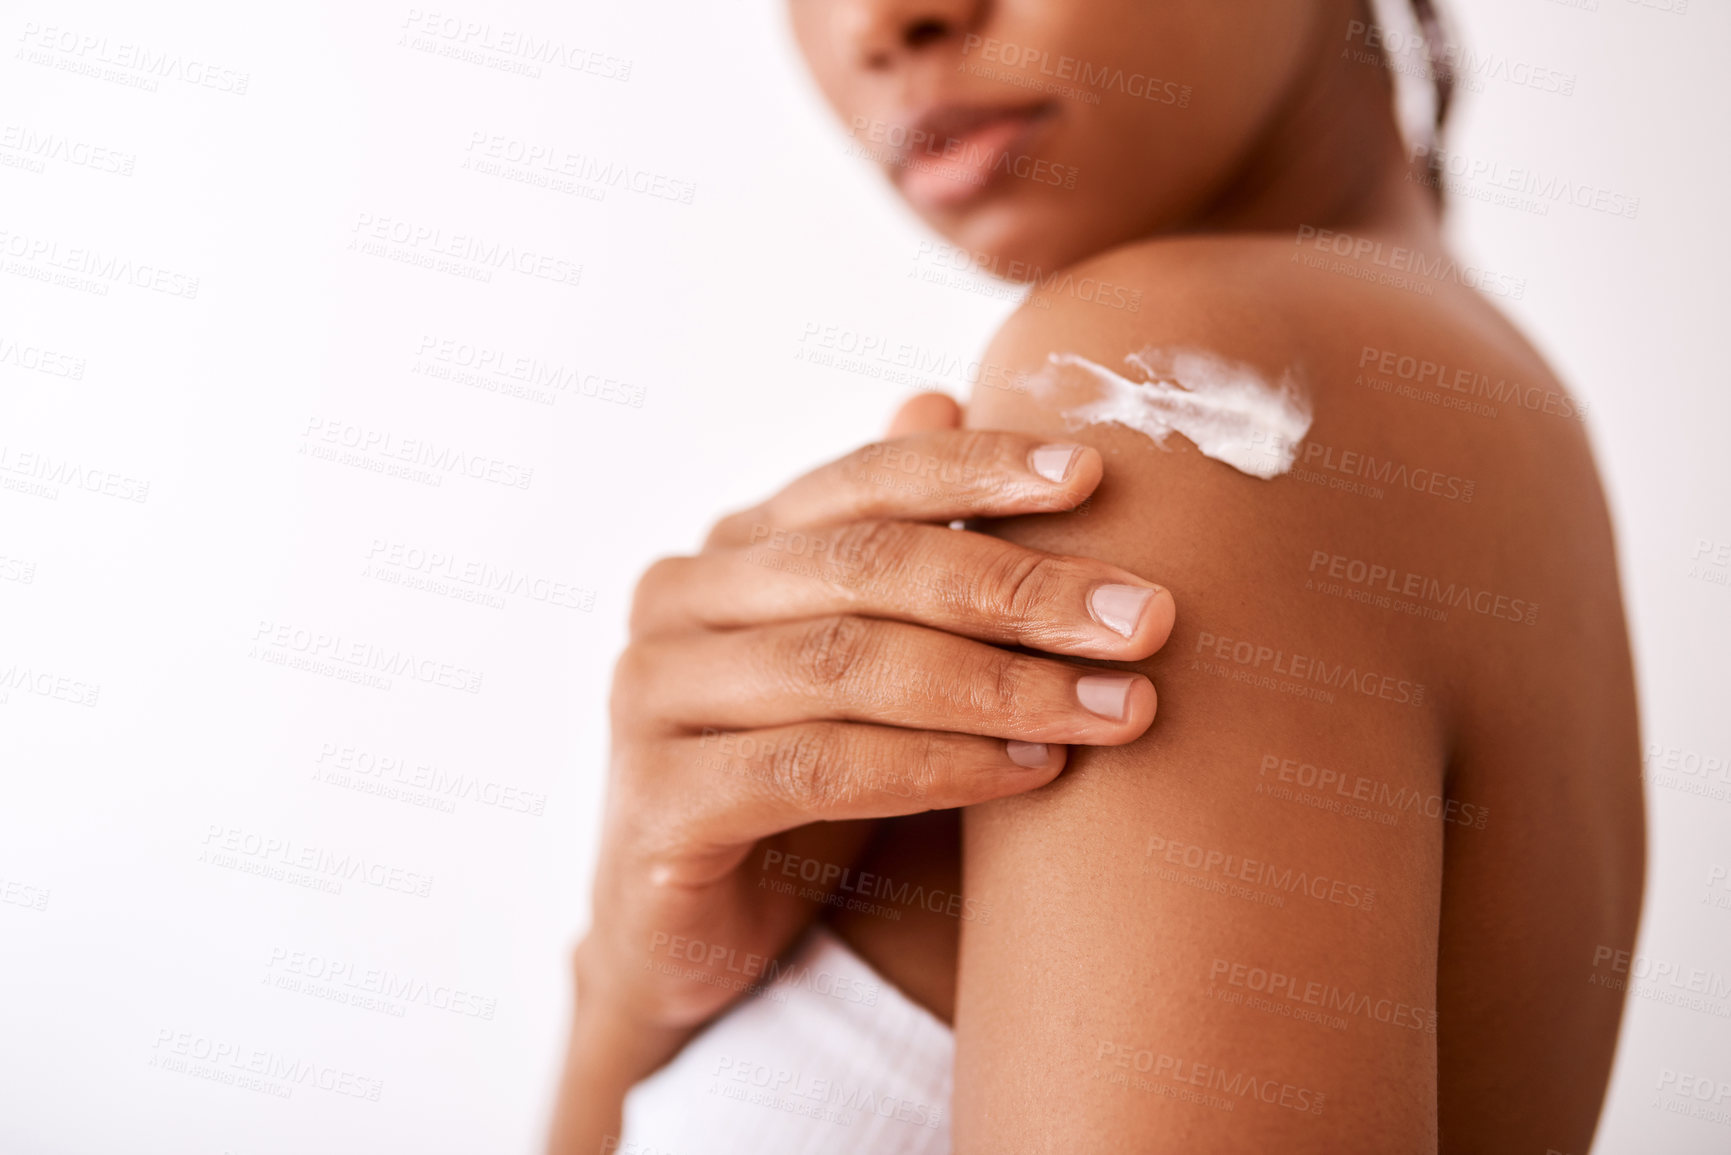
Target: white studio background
point(206, 533)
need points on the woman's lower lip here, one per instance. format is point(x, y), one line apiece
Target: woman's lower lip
point(943, 177)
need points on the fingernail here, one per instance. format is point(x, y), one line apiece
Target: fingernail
point(1029, 754)
point(1104, 694)
point(1119, 608)
point(1053, 462)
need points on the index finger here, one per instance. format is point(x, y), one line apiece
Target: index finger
point(936, 476)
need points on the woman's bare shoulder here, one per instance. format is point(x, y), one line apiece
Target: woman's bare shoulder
point(1441, 513)
point(1421, 337)
point(1435, 430)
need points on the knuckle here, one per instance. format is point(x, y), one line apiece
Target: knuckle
point(735, 527)
point(870, 549)
point(1000, 688)
point(661, 576)
point(721, 531)
point(666, 806)
point(980, 453)
point(867, 456)
point(930, 769)
point(830, 653)
point(861, 468)
point(1021, 586)
point(808, 768)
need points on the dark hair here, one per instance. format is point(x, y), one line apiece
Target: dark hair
point(1437, 43)
point(1439, 58)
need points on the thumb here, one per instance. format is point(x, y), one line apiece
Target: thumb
point(926, 411)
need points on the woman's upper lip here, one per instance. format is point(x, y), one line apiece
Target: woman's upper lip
point(933, 129)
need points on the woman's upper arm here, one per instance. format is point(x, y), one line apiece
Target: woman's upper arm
point(1224, 935)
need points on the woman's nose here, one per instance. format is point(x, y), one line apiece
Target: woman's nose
point(881, 33)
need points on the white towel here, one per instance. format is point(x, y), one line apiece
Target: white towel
point(830, 1059)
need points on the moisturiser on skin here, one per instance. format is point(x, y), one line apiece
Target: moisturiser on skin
point(1225, 408)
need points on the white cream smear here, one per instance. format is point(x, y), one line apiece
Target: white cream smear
point(1225, 408)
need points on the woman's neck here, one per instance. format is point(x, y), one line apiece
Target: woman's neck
point(1331, 157)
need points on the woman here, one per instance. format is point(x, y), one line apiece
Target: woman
point(1356, 887)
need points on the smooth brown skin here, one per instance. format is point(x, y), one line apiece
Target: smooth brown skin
point(1501, 926)
point(765, 705)
point(1089, 954)
point(1534, 723)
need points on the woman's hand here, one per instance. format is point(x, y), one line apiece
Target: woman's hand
point(834, 655)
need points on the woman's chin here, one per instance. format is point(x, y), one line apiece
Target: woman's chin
point(1010, 243)
point(1019, 241)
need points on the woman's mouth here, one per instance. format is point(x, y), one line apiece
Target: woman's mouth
point(954, 152)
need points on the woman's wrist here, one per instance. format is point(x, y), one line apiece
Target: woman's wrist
point(610, 1050)
point(612, 1035)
